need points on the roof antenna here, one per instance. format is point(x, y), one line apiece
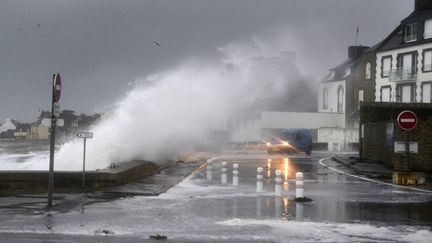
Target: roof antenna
point(357, 35)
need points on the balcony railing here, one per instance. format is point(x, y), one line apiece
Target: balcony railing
point(403, 75)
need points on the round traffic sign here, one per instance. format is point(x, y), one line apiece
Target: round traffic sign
point(57, 87)
point(407, 120)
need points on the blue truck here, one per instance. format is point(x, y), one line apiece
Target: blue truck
point(291, 140)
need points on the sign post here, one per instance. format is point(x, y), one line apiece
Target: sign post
point(84, 135)
point(407, 121)
point(56, 91)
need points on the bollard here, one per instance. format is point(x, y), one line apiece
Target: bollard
point(299, 211)
point(235, 181)
point(224, 173)
point(299, 185)
point(209, 172)
point(259, 187)
point(259, 207)
point(278, 183)
point(278, 207)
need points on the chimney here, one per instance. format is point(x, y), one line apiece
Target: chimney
point(354, 52)
point(419, 4)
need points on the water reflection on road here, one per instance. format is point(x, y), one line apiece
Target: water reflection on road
point(337, 197)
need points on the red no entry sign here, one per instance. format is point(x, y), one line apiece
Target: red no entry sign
point(57, 87)
point(407, 120)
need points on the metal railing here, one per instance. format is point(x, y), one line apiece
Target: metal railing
point(403, 75)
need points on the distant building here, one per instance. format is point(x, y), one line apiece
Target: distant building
point(22, 131)
point(8, 128)
point(39, 131)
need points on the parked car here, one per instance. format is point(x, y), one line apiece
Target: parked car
point(291, 140)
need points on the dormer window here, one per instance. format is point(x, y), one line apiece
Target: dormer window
point(410, 33)
point(427, 29)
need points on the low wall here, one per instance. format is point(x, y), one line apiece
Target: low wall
point(12, 182)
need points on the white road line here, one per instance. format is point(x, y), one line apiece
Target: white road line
point(371, 180)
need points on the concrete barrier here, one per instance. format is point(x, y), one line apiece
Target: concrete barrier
point(13, 182)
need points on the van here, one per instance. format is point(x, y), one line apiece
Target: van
point(291, 140)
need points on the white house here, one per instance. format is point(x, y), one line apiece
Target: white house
point(404, 61)
point(9, 124)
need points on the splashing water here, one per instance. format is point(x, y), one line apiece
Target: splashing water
point(171, 111)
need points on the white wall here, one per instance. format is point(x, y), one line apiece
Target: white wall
point(421, 77)
point(337, 138)
point(281, 120)
point(332, 88)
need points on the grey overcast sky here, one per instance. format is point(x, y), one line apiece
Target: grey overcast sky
point(100, 46)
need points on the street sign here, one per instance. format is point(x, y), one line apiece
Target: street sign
point(407, 120)
point(57, 87)
point(85, 135)
point(400, 147)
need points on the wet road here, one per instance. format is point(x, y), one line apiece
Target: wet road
point(344, 209)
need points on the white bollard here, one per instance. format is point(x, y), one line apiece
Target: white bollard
point(259, 207)
point(224, 177)
point(235, 181)
point(299, 211)
point(278, 183)
point(209, 172)
point(259, 187)
point(299, 185)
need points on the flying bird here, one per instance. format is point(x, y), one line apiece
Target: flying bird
point(155, 43)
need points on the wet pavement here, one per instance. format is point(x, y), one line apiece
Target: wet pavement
point(344, 208)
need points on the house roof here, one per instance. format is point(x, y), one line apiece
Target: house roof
point(341, 71)
point(395, 39)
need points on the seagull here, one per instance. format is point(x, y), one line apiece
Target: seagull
point(155, 43)
point(38, 25)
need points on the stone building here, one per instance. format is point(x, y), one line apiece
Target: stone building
point(381, 131)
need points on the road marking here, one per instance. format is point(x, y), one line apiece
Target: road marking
point(371, 180)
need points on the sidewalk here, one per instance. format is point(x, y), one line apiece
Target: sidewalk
point(369, 168)
point(375, 170)
point(152, 185)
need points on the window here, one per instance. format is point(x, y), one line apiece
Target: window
point(325, 98)
point(410, 33)
point(389, 133)
point(368, 71)
point(426, 92)
point(340, 98)
point(361, 97)
point(427, 29)
point(427, 60)
point(405, 93)
point(386, 63)
point(385, 94)
point(406, 61)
